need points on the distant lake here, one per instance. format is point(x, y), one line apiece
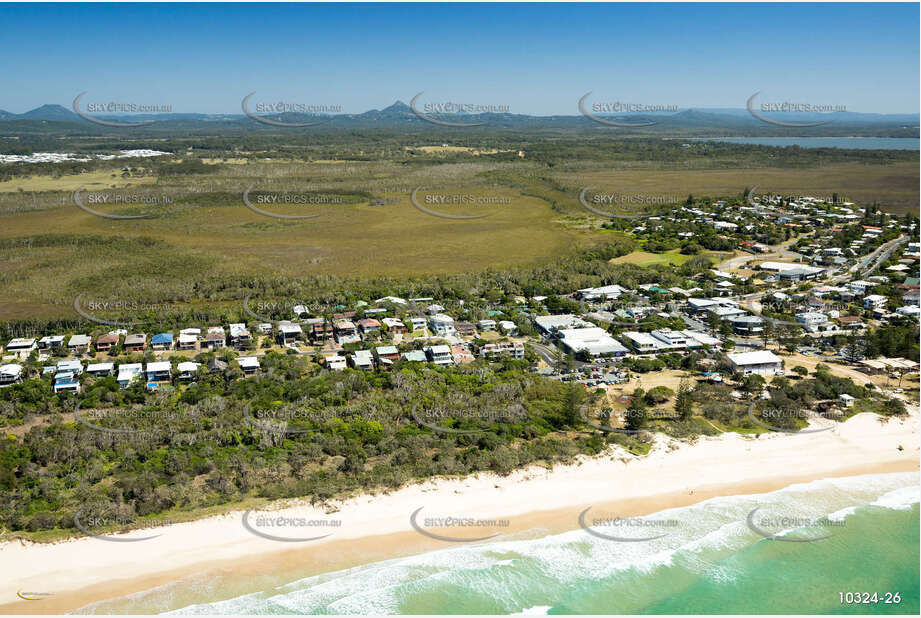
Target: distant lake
point(859, 143)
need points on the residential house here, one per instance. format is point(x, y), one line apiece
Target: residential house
point(850, 322)
point(136, 342)
point(188, 341)
point(508, 327)
point(321, 329)
point(486, 325)
point(440, 354)
point(162, 341)
point(100, 370)
point(74, 367)
point(215, 338)
point(417, 323)
point(187, 371)
point(346, 331)
point(335, 362)
point(369, 326)
point(874, 301)
point(442, 325)
point(416, 356)
point(391, 299)
point(66, 382)
point(861, 287)
point(248, 364)
point(128, 373)
point(50, 342)
point(465, 329)
point(288, 332)
point(10, 374)
point(240, 336)
point(160, 371)
point(216, 365)
point(362, 359)
point(386, 354)
point(812, 321)
point(79, 344)
point(511, 349)
point(21, 346)
point(395, 326)
point(106, 342)
point(461, 354)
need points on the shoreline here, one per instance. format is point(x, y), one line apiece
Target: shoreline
point(375, 528)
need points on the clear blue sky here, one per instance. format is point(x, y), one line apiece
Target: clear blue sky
point(535, 58)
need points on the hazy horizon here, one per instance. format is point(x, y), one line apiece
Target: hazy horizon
point(204, 59)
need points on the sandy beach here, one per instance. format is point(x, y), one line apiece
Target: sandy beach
point(74, 573)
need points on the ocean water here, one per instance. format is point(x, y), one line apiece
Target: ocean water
point(710, 561)
point(856, 143)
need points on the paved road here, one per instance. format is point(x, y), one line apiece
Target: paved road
point(547, 354)
point(861, 268)
point(870, 263)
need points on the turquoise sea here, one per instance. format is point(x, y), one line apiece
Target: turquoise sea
point(710, 561)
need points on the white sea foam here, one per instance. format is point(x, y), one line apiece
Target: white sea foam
point(899, 499)
point(496, 570)
point(537, 610)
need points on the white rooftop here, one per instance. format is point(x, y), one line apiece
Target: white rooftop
point(759, 357)
point(248, 362)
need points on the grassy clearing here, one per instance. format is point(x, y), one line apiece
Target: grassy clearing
point(207, 231)
point(894, 186)
point(454, 150)
point(669, 258)
point(99, 179)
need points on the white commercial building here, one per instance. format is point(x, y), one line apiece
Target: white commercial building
point(601, 293)
point(595, 341)
point(762, 362)
point(550, 323)
point(644, 343)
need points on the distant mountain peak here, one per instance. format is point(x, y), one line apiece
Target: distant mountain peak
point(50, 111)
point(398, 106)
